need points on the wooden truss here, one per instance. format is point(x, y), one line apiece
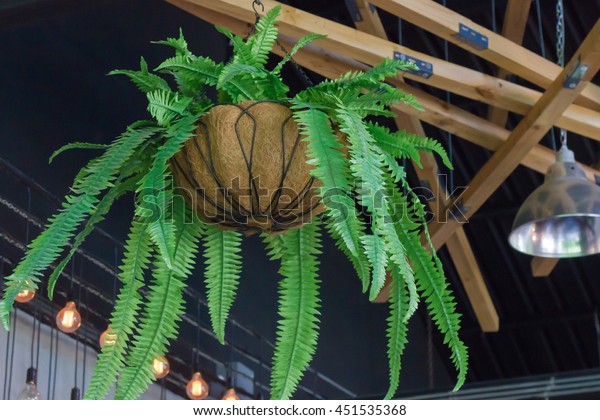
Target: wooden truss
point(575, 108)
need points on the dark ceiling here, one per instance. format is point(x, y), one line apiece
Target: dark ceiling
point(55, 55)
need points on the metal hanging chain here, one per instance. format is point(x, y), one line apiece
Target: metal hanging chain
point(560, 52)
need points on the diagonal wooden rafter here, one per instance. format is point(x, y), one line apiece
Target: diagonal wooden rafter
point(502, 52)
point(459, 248)
point(370, 50)
point(513, 29)
point(527, 134)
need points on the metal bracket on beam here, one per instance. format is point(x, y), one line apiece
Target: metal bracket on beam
point(471, 37)
point(575, 76)
point(424, 68)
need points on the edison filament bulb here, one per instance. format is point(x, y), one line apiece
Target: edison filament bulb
point(197, 388)
point(68, 318)
point(160, 367)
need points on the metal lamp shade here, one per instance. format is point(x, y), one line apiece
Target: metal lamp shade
point(560, 219)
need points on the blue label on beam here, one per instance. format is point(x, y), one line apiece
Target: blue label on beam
point(471, 37)
point(424, 68)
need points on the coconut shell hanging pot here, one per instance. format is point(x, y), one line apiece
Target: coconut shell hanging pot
point(246, 169)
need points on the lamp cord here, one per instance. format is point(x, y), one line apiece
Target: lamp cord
point(449, 136)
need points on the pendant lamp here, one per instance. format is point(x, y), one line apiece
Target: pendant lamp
point(560, 219)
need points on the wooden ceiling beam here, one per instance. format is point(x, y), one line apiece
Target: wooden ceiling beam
point(502, 52)
point(458, 246)
point(369, 49)
point(513, 29)
point(527, 134)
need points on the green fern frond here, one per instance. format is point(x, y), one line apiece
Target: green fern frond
point(103, 207)
point(234, 70)
point(297, 330)
point(77, 145)
point(143, 79)
point(93, 179)
point(164, 306)
point(165, 106)
point(123, 318)
point(180, 45)
point(192, 74)
point(273, 245)
point(262, 41)
point(397, 331)
point(154, 191)
point(431, 282)
point(242, 52)
point(325, 153)
point(302, 42)
point(377, 255)
point(402, 144)
point(223, 266)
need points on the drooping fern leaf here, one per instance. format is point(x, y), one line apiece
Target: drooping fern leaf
point(302, 42)
point(164, 306)
point(331, 168)
point(122, 321)
point(93, 179)
point(154, 193)
point(397, 331)
point(432, 285)
point(298, 309)
point(223, 267)
point(403, 144)
point(77, 145)
point(376, 253)
point(97, 216)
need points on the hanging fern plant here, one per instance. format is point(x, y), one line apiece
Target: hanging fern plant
point(259, 161)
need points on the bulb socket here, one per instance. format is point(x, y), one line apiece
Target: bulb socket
point(32, 375)
point(75, 393)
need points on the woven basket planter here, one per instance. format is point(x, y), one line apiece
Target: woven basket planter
point(246, 169)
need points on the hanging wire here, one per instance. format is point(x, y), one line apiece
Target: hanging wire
point(77, 334)
point(39, 330)
point(85, 326)
point(55, 370)
point(494, 25)
point(449, 136)
point(50, 359)
point(430, 372)
point(12, 351)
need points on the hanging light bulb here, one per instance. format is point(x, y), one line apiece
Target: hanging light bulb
point(27, 293)
point(197, 388)
point(107, 337)
point(68, 318)
point(560, 219)
point(230, 395)
point(30, 392)
point(160, 367)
